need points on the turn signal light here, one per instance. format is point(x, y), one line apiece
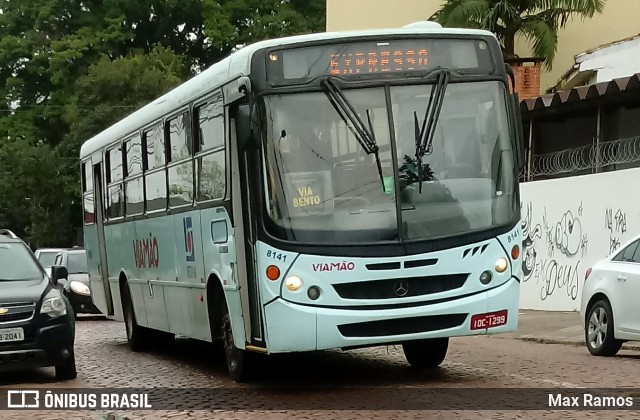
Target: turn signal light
point(515, 252)
point(273, 273)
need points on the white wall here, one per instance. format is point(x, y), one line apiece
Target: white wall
point(568, 224)
point(615, 61)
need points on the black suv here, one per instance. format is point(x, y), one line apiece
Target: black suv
point(37, 323)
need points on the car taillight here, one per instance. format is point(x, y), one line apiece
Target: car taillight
point(586, 275)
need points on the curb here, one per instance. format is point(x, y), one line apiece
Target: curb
point(540, 340)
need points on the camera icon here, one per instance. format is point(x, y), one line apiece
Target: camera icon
point(23, 399)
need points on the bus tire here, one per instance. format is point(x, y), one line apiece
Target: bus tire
point(426, 353)
point(236, 358)
point(162, 340)
point(137, 336)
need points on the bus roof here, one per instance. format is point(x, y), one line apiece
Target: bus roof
point(238, 64)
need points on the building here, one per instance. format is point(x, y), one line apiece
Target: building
point(615, 60)
point(618, 21)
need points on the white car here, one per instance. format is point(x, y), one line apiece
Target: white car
point(47, 256)
point(610, 307)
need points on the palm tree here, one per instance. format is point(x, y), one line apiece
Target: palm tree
point(537, 20)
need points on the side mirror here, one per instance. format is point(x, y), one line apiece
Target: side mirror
point(244, 85)
point(58, 273)
point(245, 124)
point(512, 76)
point(520, 144)
point(517, 116)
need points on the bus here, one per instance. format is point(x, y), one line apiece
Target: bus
point(314, 192)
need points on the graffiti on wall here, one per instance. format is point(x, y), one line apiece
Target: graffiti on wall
point(572, 222)
point(616, 224)
point(529, 235)
point(557, 270)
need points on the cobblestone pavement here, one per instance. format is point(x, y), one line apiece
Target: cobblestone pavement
point(378, 378)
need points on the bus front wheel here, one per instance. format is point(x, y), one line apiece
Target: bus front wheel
point(236, 358)
point(137, 336)
point(426, 353)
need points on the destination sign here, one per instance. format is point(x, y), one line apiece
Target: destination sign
point(309, 193)
point(376, 57)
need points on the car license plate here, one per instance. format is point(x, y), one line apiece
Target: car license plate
point(489, 320)
point(11, 334)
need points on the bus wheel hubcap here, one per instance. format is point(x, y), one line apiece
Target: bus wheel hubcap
point(129, 323)
point(227, 338)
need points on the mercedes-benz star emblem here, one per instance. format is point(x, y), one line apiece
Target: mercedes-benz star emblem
point(401, 288)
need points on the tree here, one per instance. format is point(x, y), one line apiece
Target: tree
point(69, 69)
point(537, 20)
point(33, 202)
point(39, 184)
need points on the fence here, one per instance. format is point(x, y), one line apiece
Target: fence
point(591, 158)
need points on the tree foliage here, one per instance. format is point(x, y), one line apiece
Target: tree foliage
point(537, 20)
point(69, 69)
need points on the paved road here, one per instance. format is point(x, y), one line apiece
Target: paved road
point(377, 377)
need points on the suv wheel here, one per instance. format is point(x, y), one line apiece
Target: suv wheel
point(67, 371)
point(598, 333)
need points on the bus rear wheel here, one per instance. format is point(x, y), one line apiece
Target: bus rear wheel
point(426, 353)
point(236, 358)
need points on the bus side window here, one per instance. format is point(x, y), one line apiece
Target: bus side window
point(134, 191)
point(209, 122)
point(180, 168)
point(179, 140)
point(87, 193)
point(211, 159)
point(154, 169)
point(115, 198)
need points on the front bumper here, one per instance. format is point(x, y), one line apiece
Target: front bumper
point(47, 343)
point(294, 327)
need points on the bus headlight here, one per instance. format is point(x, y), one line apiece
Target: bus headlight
point(501, 265)
point(293, 283)
point(80, 288)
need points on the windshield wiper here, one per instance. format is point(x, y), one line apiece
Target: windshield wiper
point(425, 133)
point(364, 134)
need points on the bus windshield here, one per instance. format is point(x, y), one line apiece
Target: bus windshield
point(323, 187)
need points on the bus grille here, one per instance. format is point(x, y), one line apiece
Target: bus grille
point(401, 326)
point(400, 287)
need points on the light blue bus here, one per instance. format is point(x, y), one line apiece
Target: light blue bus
point(333, 190)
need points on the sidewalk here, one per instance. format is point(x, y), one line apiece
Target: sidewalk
point(554, 328)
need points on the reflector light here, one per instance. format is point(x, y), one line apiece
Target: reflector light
point(273, 273)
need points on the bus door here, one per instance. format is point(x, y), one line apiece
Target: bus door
point(103, 270)
point(243, 173)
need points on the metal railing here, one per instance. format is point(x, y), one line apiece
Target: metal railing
point(580, 159)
